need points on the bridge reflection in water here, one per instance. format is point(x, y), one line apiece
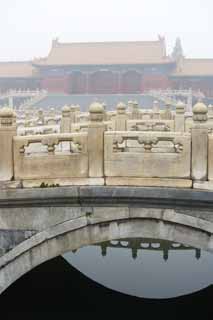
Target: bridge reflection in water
point(146, 268)
point(121, 274)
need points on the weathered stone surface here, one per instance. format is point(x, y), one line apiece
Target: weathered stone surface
point(74, 234)
point(49, 163)
point(7, 132)
point(64, 182)
point(147, 155)
point(103, 214)
point(199, 153)
point(150, 125)
point(203, 185)
point(149, 182)
point(36, 218)
point(96, 149)
point(210, 161)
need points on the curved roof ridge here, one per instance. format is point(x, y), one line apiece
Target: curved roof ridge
point(107, 42)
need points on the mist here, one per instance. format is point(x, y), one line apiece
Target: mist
point(28, 27)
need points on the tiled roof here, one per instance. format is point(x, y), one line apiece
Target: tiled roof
point(16, 70)
point(106, 53)
point(194, 67)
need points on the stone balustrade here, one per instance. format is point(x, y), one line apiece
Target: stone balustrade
point(116, 151)
point(128, 118)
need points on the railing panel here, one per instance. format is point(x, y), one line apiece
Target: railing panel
point(210, 157)
point(148, 155)
point(51, 156)
point(150, 125)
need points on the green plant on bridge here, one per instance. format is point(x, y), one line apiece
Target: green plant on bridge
point(46, 185)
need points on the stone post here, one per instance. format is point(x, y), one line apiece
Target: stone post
point(180, 117)
point(7, 132)
point(96, 130)
point(27, 119)
point(167, 113)
point(10, 100)
point(72, 116)
point(105, 111)
point(200, 142)
point(65, 120)
point(156, 110)
point(210, 111)
point(130, 106)
point(136, 114)
point(40, 117)
point(120, 120)
point(189, 101)
point(52, 113)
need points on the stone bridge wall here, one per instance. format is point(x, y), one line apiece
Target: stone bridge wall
point(165, 156)
point(45, 223)
point(39, 224)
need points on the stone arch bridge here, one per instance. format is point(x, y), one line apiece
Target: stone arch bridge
point(39, 224)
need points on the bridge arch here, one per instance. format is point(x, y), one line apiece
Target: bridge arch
point(83, 231)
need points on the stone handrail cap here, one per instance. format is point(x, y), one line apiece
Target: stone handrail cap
point(200, 107)
point(65, 109)
point(6, 112)
point(180, 106)
point(135, 102)
point(168, 103)
point(96, 107)
point(121, 106)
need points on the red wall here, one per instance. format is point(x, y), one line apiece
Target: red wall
point(103, 82)
point(155, 82)
point(56, 84)
point(205, 85)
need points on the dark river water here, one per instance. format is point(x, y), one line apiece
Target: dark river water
point(160, 269)
point(159, 277)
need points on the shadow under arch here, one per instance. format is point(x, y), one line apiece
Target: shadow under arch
point(74, 234)
point(42, 290)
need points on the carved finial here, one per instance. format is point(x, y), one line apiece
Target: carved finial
point(156, 107)
point(200, 112)
point(135, 104)
point(6, 116)
point(55, 42)
point(66, 111)
point(180, 107)
point(121, 108)
point(96, 111)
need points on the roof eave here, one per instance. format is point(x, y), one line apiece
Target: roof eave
point(104, 64)
point(190, 75)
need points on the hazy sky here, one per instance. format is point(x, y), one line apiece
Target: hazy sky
point(27, 27)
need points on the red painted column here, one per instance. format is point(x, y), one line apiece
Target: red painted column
point(56, 84)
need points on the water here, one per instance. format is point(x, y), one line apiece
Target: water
point(159, 277)
point(145, 268)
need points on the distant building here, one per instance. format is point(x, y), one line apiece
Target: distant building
point(110, 68)
point(18, 75)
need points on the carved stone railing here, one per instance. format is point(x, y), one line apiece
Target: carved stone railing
point(147, 155)
point(37, 130)
point(44, 156)
point(119, 151)
point(150, 125)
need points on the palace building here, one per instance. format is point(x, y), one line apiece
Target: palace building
point(109, 68)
